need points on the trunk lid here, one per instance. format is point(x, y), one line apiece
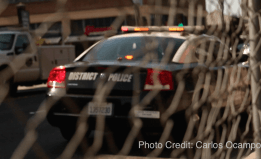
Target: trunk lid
point(119, 78)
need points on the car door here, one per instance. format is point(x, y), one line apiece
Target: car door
point(28, 62)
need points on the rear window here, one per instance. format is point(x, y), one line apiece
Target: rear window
point(133, 49)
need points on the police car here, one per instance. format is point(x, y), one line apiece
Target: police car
point(140, 71)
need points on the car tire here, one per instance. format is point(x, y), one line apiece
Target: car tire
point(67, 132)
point(6, 81)
point(12, 88)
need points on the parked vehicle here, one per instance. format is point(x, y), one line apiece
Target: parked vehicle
point(24, 63)
point(115, 76)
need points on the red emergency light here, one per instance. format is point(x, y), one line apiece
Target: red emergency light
point(152, 28)
point(176, 29)
point(125, 29)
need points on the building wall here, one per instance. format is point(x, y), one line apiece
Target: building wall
point(51, 6)
point(75, 9)
point(84, 9)
point(180, 3)
point(25, 1)
point(79, 13)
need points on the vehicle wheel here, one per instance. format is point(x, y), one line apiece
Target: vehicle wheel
point(118, 139)
point(12, 88)
point(6, 81)
point(180, 126)
point(67, 132)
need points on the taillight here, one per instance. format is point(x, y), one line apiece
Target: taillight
point(56, 77)
point(163, 80)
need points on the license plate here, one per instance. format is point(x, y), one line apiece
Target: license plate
point(147, 114)
point(103, 109)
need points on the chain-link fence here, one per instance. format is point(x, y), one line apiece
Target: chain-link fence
point(210, 115)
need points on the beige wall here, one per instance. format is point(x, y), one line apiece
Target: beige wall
point(86, 14)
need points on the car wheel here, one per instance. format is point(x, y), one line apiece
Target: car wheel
point(180, 126)
point(6, 81)
point(12, 88)
point(67, 132)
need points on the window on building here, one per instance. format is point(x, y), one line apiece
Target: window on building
point(130, 20)
point(34, 26)
point(140, 2)
point(55, 30)
point(57, 26)
point(25, 1)
point(77, 27)
point(100, 22)
point(4, 28)
point(180, 18)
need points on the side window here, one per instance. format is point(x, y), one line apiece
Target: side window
point(186, 53)
point(22, 44)
point(212, 50)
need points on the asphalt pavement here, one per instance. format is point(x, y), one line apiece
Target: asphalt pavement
point(14, 114)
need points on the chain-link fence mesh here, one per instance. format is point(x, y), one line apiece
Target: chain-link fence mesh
point(212, 120)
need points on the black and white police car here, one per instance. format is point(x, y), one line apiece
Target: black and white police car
point(142, 68)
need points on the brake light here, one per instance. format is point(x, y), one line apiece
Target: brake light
point(56, 77)
point(129, 57)
point(163, 81)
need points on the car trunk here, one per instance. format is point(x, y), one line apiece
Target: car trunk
point(118, 80)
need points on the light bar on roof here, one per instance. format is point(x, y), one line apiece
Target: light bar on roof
point(124, 28)
point(176, 29)
point(162, 28)
point(129, 57)
point(141, 29)
point(151, 28)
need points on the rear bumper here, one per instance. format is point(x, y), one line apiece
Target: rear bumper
point(67, 109)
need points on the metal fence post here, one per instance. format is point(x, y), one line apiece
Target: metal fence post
point(255, 55)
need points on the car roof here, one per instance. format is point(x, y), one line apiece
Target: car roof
point(177, 35)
